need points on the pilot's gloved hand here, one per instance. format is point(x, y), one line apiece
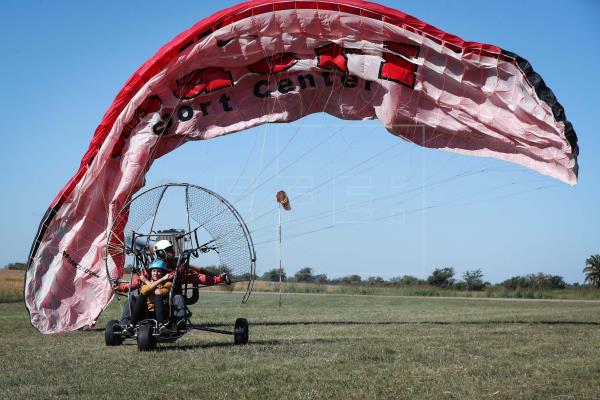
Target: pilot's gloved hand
point(225, 278)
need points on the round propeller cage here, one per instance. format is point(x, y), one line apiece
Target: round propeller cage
point(204, 228)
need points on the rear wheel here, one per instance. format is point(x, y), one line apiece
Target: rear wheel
point(145, 338)
point(112, 333)
point(240, 333)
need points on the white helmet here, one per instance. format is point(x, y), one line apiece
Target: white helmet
point(162, 244)
point(160, 247)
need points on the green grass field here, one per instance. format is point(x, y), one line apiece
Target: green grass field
point(323, 347)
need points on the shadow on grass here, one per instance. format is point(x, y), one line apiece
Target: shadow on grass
point(95, 329)
point(485, 322)
point(399, 323)
point(200, 345)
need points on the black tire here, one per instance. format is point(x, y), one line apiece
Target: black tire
point(111, 337)
point(240, 333)
point(145, 338)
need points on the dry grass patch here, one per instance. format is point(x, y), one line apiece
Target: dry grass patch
point(11, 285)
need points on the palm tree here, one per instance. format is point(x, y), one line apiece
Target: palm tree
point(592, 270)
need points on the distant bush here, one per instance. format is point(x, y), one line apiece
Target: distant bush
point(407, 280)
point(17, 266)
point(273, 275)
point(352, 280)
point(535, 281)
point(375, 281)
point(304, 275)
point(473, 280)
point(347, 280)
point(244, 277)
point(441, 277)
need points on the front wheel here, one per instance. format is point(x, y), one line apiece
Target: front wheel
point(145, 338)
point(240, 333)
point(112, 333)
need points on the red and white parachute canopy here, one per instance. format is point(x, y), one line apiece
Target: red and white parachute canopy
point(276, 61)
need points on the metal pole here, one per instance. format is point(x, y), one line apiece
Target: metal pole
point(280, 267)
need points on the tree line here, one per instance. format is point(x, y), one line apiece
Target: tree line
point(444, 277)
point(440, 277)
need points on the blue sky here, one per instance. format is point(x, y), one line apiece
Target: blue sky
point(63, 63)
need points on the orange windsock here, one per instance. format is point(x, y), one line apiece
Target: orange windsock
point(282, 198)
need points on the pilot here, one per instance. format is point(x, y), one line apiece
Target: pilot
point(164, 251)
point(125, 287)
point(154, 295)
point(197, 276)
